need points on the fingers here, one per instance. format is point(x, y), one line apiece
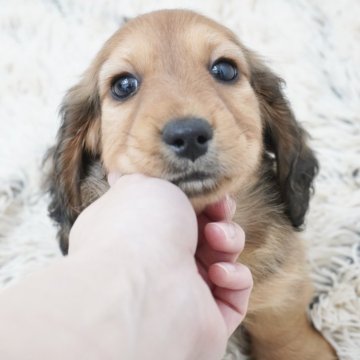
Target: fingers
point(222, 210)
point(222, 241)
point(232, 292)
point(221, 244)
point(226, 237)
point(233, 276)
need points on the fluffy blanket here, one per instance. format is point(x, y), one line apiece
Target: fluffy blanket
point(314, 45)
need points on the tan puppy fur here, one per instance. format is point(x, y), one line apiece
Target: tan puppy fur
point(258, 154)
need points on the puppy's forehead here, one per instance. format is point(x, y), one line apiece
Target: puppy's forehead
point(169, 39)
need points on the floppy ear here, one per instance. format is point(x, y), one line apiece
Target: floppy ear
point(296, 165)
point(78, 142)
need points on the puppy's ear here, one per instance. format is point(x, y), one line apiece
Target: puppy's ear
point(78, 141)
point(296, 165)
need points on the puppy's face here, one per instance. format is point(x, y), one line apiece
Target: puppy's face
point(176, 103)
point(175, 95)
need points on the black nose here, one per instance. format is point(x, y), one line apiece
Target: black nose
point(188, 137)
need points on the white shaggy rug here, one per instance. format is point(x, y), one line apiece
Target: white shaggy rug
point(314, 45)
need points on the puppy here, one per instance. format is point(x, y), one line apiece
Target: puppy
point(175, 95)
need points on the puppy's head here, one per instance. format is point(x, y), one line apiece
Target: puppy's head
point(175, 95)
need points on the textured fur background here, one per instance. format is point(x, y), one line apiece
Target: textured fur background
point(314, 45)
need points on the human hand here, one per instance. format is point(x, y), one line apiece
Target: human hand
point(146, 232)
point(220, 242)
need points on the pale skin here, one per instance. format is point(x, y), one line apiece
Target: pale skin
point(145, 278)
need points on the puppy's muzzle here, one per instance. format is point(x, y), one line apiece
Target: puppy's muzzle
point(191, 158)
point(188, 138)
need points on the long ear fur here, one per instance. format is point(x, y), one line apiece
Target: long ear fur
point(77, 143)
point(296, 165)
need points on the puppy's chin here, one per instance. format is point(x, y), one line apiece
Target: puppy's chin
point(201, 190)
point(201, 196)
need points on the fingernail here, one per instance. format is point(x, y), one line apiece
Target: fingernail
point(231, 206)
point(227, 229)
point(228, 267)
point(112, 178)
point(232, 230)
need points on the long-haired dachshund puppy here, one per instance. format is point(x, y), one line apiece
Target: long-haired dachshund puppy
point(175, 95)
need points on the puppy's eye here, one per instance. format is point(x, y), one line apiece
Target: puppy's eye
point(224, 70)
point(124, 86)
